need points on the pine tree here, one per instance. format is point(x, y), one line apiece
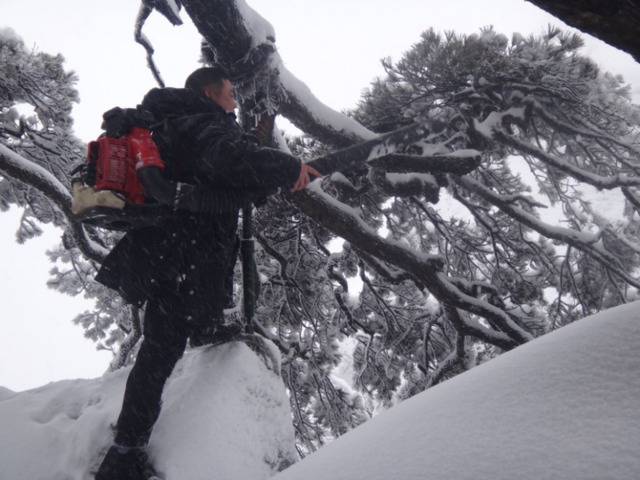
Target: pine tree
point(36, 98)
point(441, 290)
point(533, 108)
point(35, 83)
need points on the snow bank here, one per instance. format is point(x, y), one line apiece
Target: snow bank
point(6, 393)
point(565, 406)
point(225, 416)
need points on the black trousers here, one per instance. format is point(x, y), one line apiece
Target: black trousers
point(186, 304)
point(166, 332)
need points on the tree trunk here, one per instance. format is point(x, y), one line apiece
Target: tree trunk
point(613, 21)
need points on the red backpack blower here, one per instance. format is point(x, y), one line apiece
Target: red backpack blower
point(106, 188)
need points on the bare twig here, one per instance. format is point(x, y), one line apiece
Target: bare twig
point(143, 13)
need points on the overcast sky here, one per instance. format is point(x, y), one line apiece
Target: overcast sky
point(334, 46)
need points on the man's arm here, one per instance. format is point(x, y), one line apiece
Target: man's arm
point(239, 163)
point(191, 198)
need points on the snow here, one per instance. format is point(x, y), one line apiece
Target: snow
point(398, 179)
point(562, 407)
point(16, 162)
point(6, 393)
point(552, 231)
point(224, 415)
point(494, 121)
point(450, 209)
point(322, 113)
point(607, 203)
point(261, 32)
point(259, 28)
point(465, 153)
point(9, 34)
point(565, 406)
point(10, 160)
point(281, 140)
point(354, 215)
point(340, 179)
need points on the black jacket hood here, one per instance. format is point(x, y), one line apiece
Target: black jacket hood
point(169, 102)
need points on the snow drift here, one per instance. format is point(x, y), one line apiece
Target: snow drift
point(565, 406)
point(225, 416)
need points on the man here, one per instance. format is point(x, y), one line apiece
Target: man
point(181, 267)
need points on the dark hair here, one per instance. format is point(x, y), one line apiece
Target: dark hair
point(204, 76)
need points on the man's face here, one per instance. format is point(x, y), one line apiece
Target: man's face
point(224, 96)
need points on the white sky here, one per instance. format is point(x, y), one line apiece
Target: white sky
point(334, 46)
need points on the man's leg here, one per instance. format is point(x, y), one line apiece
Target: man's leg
point(165, 338)
point(204, 296)
point(164, 341)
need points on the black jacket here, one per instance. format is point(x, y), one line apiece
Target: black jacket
point(185, 260)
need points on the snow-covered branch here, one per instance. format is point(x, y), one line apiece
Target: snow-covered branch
point(459, 162)
point(36, 176)
point(345, 222)
point(575, 130)
point(23, 170)
point(232, 30)
point(598, 181)
point(585, 241)
point(315, 118)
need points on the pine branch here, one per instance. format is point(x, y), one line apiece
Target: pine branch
point(33, 175)
point(121, 357)
point(583, 241)
point(426, 268)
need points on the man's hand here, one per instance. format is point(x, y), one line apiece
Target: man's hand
point(306, 174)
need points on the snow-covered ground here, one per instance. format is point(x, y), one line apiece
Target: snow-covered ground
point(225, 416)
point(565, 406)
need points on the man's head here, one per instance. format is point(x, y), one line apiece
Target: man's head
point(214, 84)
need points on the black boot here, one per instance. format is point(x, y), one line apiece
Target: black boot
point(126, 463)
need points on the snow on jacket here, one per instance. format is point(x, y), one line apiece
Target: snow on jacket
point(187, 259)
